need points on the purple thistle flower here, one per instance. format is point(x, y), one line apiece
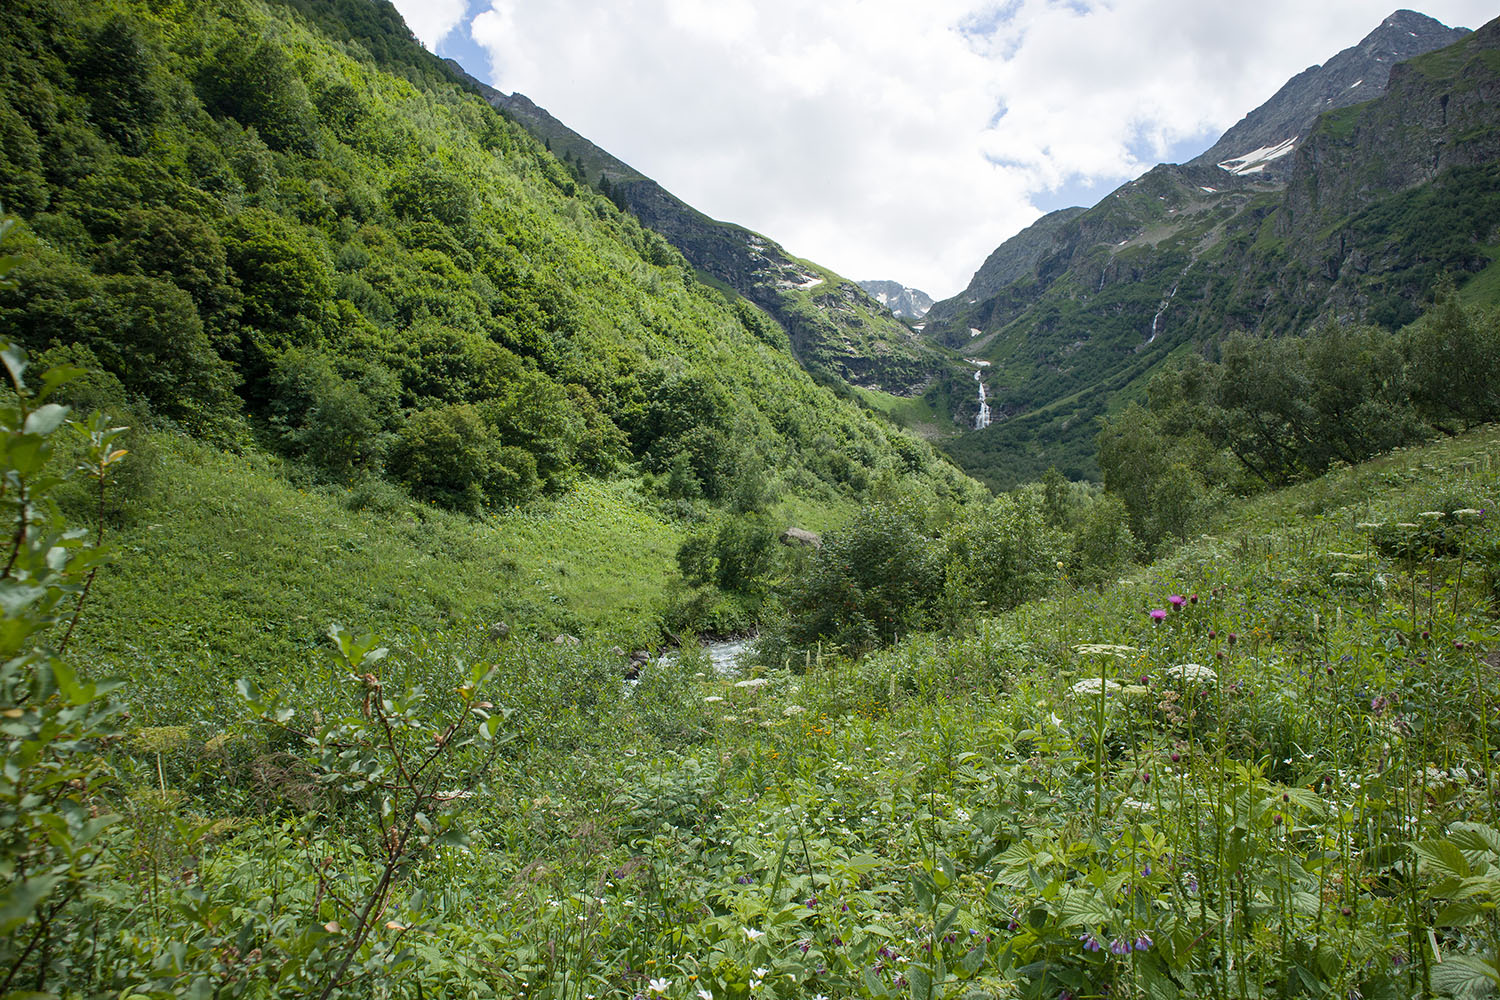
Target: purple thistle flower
point(1176, 600)
point(1157, 614)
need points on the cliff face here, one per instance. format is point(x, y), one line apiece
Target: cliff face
point(837, 330)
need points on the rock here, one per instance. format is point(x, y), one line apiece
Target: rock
point(566, 640)
point(499, 631)
point(798, 536)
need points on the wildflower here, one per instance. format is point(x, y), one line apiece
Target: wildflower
point(1090, 943)
point(1143, 942)
point(1193, 599)
point(1146, 778)
point(753, 934)
point(812, 904)
point(744, 880)
point(1176, 757)
point(760, 973)
point(713, 698)
point(1119, 946)
point(1191, 672)
point(1232, 637)
point(660, 986)
point(1433, 514)
point(1146, 868)
point(1176, 600)
point(704, 994)
point(1157, 614)
point(752, 683)
point(1104, 649)
point(1091, 686)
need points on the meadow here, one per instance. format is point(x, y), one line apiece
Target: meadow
point(1261, 766)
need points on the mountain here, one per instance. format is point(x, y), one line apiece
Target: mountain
point(1355, 214)
point(906, 303)
point(837, 330)
point(1261, 140)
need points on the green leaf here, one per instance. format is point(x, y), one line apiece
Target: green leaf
point(19, 900)
point(68, 684)
point(1466, 977)
point(1444, 858)
point(14, 357)
point(945, 923)
point(921, 983)
point(46, 419)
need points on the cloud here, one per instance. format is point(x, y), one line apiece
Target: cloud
point(432, 20)
point(887, 139)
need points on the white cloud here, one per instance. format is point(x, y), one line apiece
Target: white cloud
point(862, 133)
point(432, 20)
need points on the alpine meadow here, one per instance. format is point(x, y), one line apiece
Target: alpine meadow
point(442, 563)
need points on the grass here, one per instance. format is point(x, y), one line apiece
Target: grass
point(1483, 289)
point(1309, 812)
point(930, 418)
point(233, 563)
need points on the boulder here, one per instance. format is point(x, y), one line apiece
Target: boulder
point(567, 640)
point(799, 536)
point(499, 631)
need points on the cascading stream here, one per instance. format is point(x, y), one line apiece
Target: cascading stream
point(983, 420)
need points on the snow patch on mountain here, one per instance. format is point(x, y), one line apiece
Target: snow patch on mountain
point(1256, 160)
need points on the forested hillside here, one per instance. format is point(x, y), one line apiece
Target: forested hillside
point(287, 224)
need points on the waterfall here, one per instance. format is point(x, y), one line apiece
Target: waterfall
point(983, 420)
point(1157, 318)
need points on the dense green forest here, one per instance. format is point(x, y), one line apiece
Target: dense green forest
point(324, 245)
point(350, 443)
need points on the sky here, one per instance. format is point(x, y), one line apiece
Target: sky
point(898, 139)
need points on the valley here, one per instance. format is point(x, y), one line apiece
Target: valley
point(443, 563)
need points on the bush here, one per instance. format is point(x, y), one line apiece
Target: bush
point(450, 456)
point(874, 579)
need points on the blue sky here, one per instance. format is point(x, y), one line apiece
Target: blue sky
point(867, 135)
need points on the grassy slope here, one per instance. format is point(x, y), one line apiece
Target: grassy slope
point(234, 569)
point(704, 833)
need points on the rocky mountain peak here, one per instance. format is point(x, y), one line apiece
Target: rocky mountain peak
point(1259, 143)
point(904, 302)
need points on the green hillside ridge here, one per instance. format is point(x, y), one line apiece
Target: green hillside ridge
point(286, 226)
point(838, 331)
